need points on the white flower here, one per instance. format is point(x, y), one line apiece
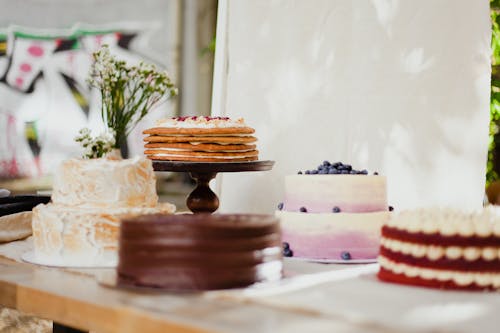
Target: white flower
point(126, 90)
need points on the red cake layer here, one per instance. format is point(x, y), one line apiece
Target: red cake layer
point(386, 275)
point(438, 239)
point(479, 265)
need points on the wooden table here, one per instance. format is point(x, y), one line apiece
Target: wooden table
point(349, 304)
point(80, 302)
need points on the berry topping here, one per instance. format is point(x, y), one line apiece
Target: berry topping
point(303, 209)
point(334, 168)
point(375, 173)
point(345, 255)
point(299, 173)
point(287, 253)
point(391, 208)
point(280, 206)
point(336, 209)
point(200, 117)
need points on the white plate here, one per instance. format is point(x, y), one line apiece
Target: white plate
point(30, 257)
point(335, 261)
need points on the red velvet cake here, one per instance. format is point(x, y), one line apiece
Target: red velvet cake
point(199, 252)
point(442, 248)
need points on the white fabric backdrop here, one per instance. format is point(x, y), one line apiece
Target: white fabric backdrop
point(399, 87)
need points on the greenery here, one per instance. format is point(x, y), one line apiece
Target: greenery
point(128, 93)
point(494, 141)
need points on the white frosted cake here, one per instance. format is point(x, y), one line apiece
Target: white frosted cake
point(80, 226)
point(333, 213)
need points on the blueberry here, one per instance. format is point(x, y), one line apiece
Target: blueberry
point(323, 172)
point(375, 173)
point(353, 172)
point(347, 167)
point(314, 172)
point(364, 172)
point(286, 246)
point(391, 208)
point(333, 171)
point(280, 206)
point(326, 163)
point(344, 172)
point(337, 164)
point(299, 173)
point(320, 167)
point(303, 209)
point(345, 255)
point(287, 253)
point(308, 172)
point(336, 209)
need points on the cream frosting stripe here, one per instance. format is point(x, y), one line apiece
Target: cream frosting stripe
point(203, 156)
point(459, 278)
point(203, 150)
point(433, 252)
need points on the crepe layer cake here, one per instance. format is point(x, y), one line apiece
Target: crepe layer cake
point(201, 139)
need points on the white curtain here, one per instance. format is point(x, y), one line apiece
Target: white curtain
point(398, 87)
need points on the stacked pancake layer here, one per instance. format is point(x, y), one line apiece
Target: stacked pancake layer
point(442, 248)
point(201, 139)
point(199, 252)
point(80, 226)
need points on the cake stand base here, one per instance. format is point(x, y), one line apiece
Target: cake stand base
point(202, 199)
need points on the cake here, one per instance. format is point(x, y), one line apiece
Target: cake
point(80, 226)
point(333, 213)
point(199, 252)
point(201, 139)
point(442, 248)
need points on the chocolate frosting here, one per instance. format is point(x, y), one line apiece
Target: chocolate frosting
point(199, 252)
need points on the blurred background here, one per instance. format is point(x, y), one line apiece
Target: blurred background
point(45, 56)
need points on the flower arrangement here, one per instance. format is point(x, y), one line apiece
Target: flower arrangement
point(96, 147)
point(128, 93)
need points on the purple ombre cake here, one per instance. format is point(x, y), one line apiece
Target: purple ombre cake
point(333, 213)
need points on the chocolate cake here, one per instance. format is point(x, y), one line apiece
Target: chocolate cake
point(199, 252)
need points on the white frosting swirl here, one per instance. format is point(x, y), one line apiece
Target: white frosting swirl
point(449, 222)
point(200, 122)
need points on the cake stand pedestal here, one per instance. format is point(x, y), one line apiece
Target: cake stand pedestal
point(202, 199)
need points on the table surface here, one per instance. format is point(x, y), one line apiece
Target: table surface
point(349, 304)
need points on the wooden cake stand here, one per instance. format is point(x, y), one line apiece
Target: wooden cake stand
point(202, 199)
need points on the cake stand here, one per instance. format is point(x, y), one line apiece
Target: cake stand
point(202, 199)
